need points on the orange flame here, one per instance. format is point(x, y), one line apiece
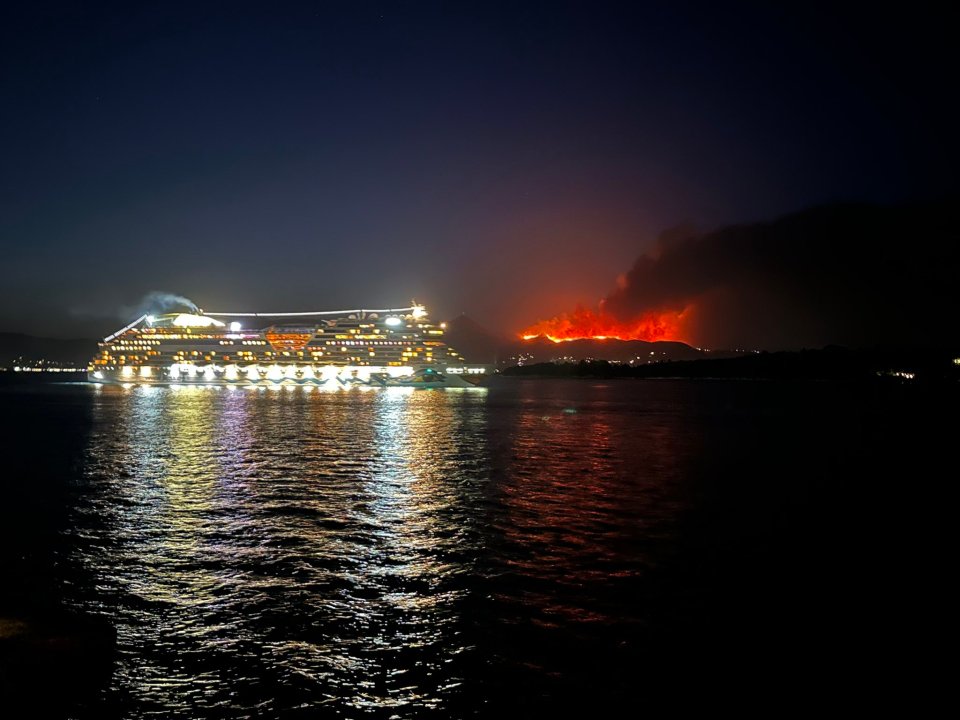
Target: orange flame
point(584, 323)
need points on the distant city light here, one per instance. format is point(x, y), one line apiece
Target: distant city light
point(234, 326)
point(393, 321)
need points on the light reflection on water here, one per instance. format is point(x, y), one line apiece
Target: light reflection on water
point(282, 547)
point(514, 553)
point(377, 552)
point(579, 500)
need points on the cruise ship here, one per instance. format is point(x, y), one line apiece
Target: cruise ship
point(336, 348)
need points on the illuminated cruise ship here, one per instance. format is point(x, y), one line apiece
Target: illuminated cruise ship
point(392, 347)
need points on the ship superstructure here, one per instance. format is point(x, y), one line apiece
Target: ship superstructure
point(342, 347)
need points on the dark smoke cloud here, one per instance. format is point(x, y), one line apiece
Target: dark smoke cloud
point(854, 275)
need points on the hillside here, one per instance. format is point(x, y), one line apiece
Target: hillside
point(479, 345)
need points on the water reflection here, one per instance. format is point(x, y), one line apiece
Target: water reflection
point(281, 553)
point(276, 549)
point(590, 487)
point(586, 478)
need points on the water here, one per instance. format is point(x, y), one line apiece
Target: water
point(513, 550)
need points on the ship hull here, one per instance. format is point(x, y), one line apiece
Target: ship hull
point(341, 377)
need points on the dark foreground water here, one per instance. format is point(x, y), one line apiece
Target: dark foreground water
point(521, 550)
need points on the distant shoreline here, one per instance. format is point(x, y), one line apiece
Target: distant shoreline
point(42, 371)
point(936, 365)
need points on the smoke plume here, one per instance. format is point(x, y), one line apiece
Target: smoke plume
point(153, 303)
point(157, 302)
point(854, 275)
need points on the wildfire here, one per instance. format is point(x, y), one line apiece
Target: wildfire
point(584, 323)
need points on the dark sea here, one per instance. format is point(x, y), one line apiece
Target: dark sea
point(532, 549)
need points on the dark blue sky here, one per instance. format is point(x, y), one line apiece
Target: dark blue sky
point(501, 159)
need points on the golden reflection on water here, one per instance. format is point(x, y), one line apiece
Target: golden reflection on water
point(411, 485)
point(313, 537)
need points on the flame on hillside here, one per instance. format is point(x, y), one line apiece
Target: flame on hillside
point(585, 323)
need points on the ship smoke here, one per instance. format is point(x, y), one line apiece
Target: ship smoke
point(157, 302)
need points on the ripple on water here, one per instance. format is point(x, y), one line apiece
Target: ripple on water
point(369, 552)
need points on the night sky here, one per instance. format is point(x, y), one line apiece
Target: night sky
point(507, 160)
